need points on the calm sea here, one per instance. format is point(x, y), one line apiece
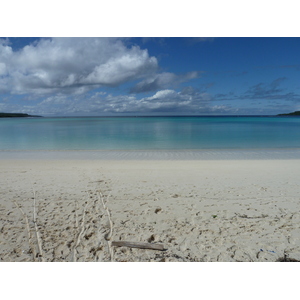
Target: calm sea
point(149, 133)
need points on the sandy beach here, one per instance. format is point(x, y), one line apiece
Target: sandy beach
point(199, 210)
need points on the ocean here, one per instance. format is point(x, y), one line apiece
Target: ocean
point(150, 133)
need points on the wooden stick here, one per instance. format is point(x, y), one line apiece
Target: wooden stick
point(108, 235)
point(28, 230)
point(81, 232)
point(37, 230)
point(159, 247)
point(34, 212)
point(76, 214)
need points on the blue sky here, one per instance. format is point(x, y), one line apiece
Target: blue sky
point(150, 76)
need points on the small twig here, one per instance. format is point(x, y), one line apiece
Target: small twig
point(76, 214)
point(28, 230)
point(36, 229)
point(80, 233)
point(34, 212)
point(139, 245)
point(108, 235)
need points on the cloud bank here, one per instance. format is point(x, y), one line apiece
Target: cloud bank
point(188, 101)
point(71, 65)
point(66, 74)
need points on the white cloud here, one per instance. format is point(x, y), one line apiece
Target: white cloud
point(56, 74)
point(121, 68)
point(3, 69)
point(160, 95)
point(162, 81)
point(67, 64)
point(162, 102)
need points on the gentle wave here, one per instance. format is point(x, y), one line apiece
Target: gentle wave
point(212, 154)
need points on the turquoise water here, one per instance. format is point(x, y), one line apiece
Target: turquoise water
point(149, 133)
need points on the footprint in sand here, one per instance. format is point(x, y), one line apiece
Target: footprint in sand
point(61, 251)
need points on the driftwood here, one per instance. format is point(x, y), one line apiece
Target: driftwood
point(37, 230)
point(83, 228)
point(28, 230)
point(138, 245)
point(108, 235)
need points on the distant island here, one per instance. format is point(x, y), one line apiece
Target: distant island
point(15, 115)
point(295, 113)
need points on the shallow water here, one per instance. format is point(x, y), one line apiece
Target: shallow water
point(149, 133)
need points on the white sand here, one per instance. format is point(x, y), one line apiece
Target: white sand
point(200, 210)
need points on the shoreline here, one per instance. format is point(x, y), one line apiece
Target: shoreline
point(203, 154)
point(200, 210)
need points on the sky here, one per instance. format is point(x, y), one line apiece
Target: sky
point(106, 76)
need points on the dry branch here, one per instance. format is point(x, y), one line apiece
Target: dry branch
point(159, 247)
point(36, 229)
point(81, 232)
point(28, 230)
point(108, 235)
point(76, 214)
